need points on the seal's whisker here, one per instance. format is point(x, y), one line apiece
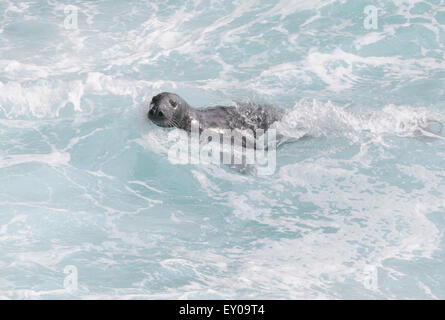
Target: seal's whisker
point(172, 122)
point(175, 123)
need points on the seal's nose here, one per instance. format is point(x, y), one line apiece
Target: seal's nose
point(155, 113)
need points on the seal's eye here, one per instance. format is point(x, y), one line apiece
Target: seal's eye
point(173, 104)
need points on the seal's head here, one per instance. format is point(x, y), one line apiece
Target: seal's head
point(168, 110)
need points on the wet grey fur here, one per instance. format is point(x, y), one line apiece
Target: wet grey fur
point(170, 110)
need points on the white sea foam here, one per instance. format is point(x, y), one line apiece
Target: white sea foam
point(55, 158)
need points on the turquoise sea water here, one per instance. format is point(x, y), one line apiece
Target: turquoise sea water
point(354, 210)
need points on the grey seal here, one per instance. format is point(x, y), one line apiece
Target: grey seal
point(170, 110)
